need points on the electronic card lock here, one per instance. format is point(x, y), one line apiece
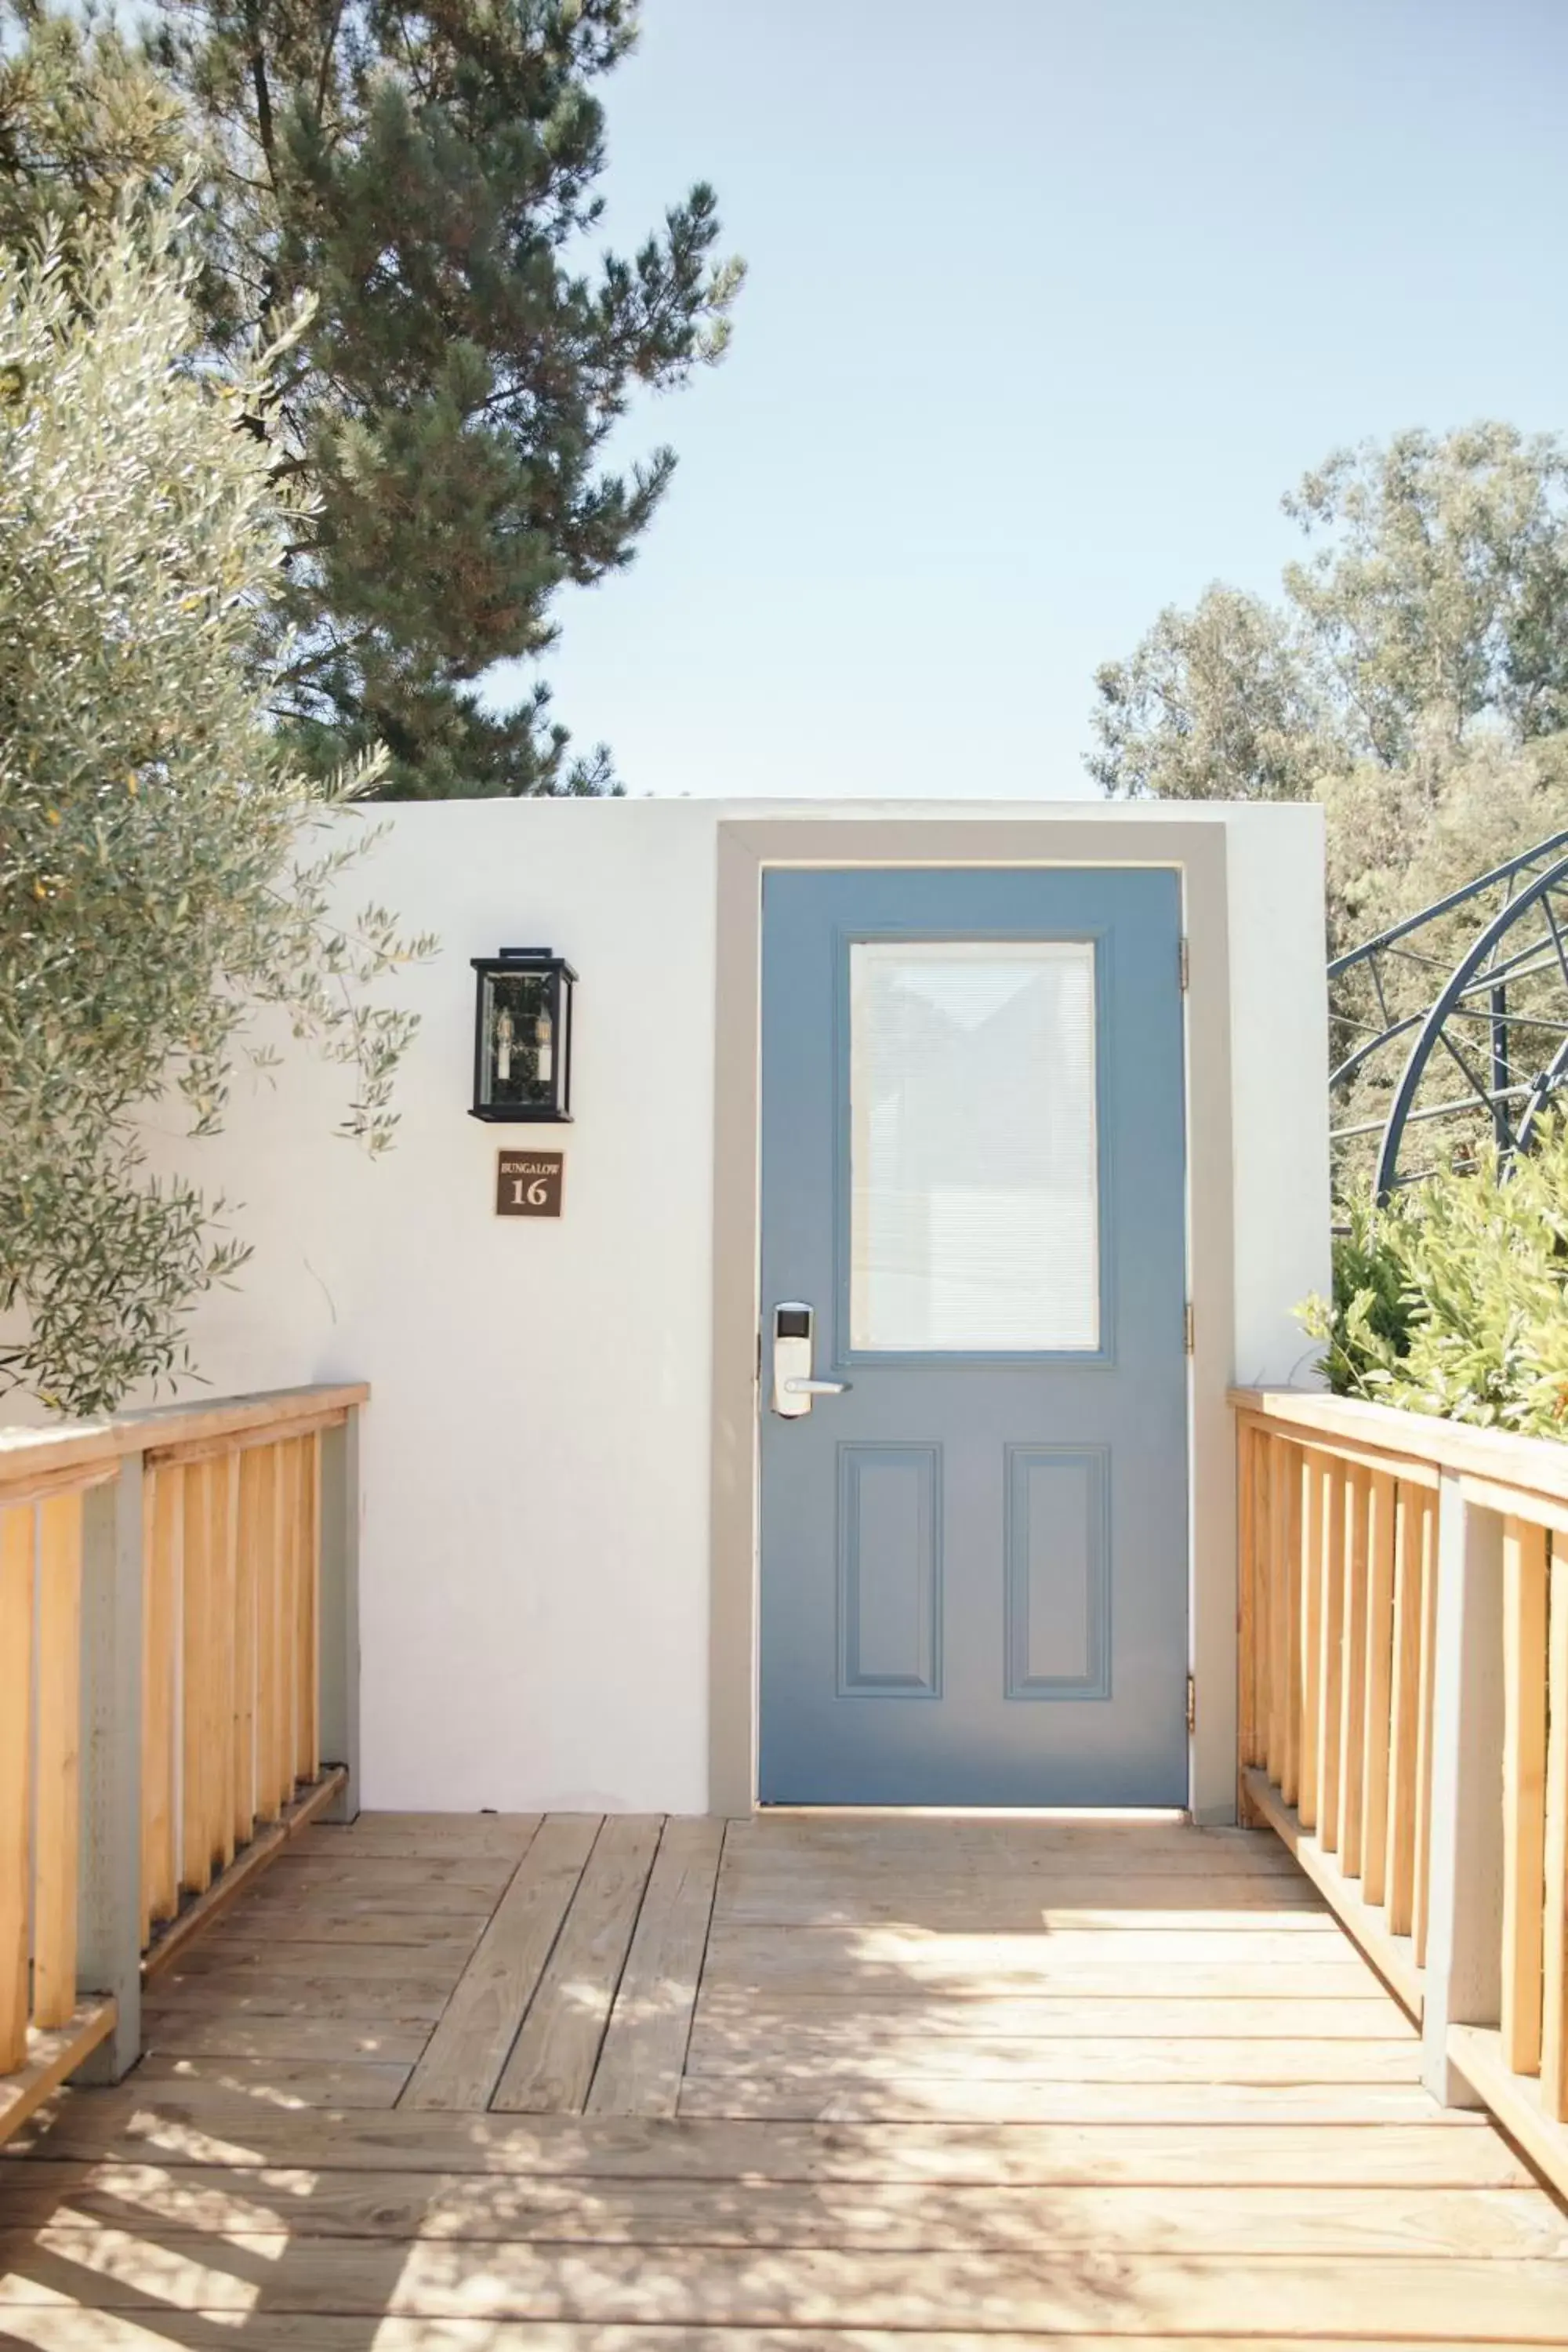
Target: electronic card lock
point(794, 1387)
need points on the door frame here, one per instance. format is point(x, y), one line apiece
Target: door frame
point(1195, 850)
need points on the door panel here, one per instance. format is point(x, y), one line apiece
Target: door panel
point(974, 1558)
point(889, 1602)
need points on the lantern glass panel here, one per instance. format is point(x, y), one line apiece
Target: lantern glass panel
point(522, 1050)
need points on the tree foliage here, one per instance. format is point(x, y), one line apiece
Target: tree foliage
point(430, 175)
point(1431, 613)
point(157, 880)
point(1438, 593)
point(1414, 679)
point(1453, 1298)
point(1222, 692)
point(83, 121)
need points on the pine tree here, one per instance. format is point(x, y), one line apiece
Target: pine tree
point(430, 176)
point(82, 118)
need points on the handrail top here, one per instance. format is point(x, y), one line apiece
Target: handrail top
point(29, 1454)
point(1537, 1464)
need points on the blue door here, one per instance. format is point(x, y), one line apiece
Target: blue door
point(974, 1370)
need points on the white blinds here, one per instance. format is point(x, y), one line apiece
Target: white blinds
point(974, 1156)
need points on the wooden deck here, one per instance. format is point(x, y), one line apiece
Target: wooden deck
point(886, 2083)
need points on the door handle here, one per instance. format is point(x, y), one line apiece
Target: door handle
point(794, 1387)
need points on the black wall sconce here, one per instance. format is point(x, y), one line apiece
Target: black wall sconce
point(523, 1036)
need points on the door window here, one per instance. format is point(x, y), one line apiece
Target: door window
point(974, 1193)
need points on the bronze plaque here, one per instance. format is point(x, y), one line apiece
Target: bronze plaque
point(528, 1183)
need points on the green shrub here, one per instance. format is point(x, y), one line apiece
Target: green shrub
point(1453, 1298)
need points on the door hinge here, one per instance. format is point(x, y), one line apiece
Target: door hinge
point(1187, 1327)
point(1184, 962)
point(1191, 1703)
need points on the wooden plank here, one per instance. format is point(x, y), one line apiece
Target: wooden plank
point(308, 1711)
point(1421, 1895)
point(285, 1623)
point(195, 1852)
point(393, 1837)
point(288, 2082)
point(1317, 1480)
point(1331, 1677)
point(464, 2209)
point(1535, 1465)
point(234, 1942)
point(179, 2124)
point(315, 1925)
point(824, 2057)
point(267, 1506)
point(57, 1849)
point(180, 1996)
point(1404, 1708)
point(1539, 1511)
point(1205, 1857)
point(1246, 1448)
point(295, 1431)
point(897, 1965)
point(320, 1909)
point(209, 1906)
point(999, 1839)
point(852, 2021)
point(43, 1488)
point(1089, 1901)
point(231, 1952)
point(1353, 1688)
point(1280, 1481)
point(553, 2060)
point(308, 1873)
point(1393, 1956)
point(181, 2029)
point(246, 1663)
point(49, 2056)
point(1345, 1975)
point(1388, 1460)
point(1514, 2099)
point(1007, 2101)
point(224, 1493)
point(1378, 1716)
point(26, 1454)
point(1555, 1962)
point(818, 2288)
point(18, 1547)
point(61, 2330)
point(1294, 1470)
point(163, 1534)
point(209, 1694)
point(463, 2062)
point(1263, 1645)
point(1523, 1790)
point(644, 2051)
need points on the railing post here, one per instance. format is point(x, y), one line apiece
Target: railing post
point(338, 1634)
point(1463, 1983)
point(108, 1951)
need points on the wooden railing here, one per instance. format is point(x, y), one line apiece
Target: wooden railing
point(178, 1648)
point(40, 1712)
point(1404, 1719)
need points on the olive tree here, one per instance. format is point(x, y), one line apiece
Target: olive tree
point(164, 870)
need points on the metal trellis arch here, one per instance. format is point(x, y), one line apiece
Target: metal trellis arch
point(1477, 982)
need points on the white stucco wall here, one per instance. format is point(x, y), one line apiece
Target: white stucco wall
point(534, 1578)
point(1279, 1083)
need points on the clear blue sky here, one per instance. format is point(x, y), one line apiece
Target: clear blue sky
point(1049, 302)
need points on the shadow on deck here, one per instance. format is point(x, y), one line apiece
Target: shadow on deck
point(453, 2082)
